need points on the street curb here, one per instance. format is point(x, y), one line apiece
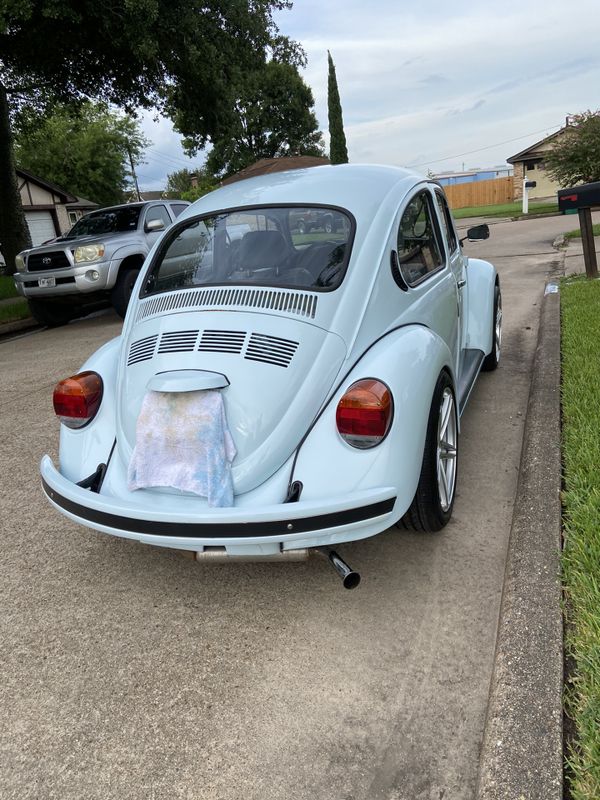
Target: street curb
point(19, 326)
point(522, 751)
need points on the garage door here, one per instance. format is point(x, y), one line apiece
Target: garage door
point(41, 226)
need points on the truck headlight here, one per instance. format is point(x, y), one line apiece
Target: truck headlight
point(88, 252)
point(20, 263)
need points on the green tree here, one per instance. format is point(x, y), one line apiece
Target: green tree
point(85, 150)
point(575, 155)
point(190, 184)
point(273, 117)
point(338, 152)
point(172, 55)
point(180, 181)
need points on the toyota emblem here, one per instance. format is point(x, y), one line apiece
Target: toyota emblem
point(46, 260)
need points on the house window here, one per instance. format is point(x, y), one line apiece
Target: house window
point(73, 217)
point(530, 165)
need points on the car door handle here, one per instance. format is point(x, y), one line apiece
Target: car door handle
point(462, 282)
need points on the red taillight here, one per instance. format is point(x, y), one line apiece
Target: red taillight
point(77, 399)
point(364, 413)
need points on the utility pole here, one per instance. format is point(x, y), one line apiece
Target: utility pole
point(135, 181)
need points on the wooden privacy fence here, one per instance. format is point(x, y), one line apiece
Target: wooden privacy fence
point(480, 193)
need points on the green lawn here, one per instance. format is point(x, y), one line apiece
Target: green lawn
point(10, 312)
point(504, 210)
point(580, 304)
point(7, 287)
point(576, 234)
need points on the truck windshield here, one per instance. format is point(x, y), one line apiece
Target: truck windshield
point(111, 220)
point(295, 247)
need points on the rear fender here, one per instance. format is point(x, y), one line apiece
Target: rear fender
point(481, 279)
point(82, 450)
point(409, 361)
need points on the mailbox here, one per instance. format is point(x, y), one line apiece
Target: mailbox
point(530, 184)
point(582, 199)
point(585, 196)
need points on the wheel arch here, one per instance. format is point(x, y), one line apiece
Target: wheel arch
point(123, 260)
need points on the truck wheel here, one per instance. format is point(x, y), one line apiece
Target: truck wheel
point(52, 314)
point(431, 507)
point(301, 226)
point(328, 225)
point(122, 289)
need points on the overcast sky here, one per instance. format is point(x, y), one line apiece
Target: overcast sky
point(435, 85)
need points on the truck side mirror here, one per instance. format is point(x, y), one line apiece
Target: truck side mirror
point(154, 225)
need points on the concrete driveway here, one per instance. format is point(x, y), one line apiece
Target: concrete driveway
point(130, 672)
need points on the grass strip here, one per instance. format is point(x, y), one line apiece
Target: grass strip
point(580, 304)
point(11, 312)
point(504, 210)
point(7, 287)
point(576, 234)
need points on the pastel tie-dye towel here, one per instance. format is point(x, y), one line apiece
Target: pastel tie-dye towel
point(182, 441)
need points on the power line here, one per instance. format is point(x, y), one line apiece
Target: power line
point(176, 160)
point(487, 147)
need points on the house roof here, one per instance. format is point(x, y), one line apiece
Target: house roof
point(282, 164)
point(51, 187)
point(531, 150)
point(81, 202)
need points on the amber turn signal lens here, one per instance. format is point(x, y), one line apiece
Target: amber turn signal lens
point(364, 414)
point(77, 399)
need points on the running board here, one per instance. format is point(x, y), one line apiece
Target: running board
point(471, 364)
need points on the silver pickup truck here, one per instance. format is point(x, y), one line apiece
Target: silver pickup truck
point(99, 259)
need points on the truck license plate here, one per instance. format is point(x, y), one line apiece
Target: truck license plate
point(46, 283)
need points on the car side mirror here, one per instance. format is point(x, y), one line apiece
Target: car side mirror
point(478, 232)
point(154, 225)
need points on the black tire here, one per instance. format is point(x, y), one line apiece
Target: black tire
point(53, 315)
point(428, 512)
point(490, 362)
point(121, 292)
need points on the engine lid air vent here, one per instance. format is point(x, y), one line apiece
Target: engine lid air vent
point(222, 341)
point(270, 350)
point(284, 301)
point(142, 350)
point(178, 342)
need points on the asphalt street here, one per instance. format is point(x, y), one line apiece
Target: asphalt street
point(131, 672)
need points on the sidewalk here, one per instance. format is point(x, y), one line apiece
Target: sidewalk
point(574, 256)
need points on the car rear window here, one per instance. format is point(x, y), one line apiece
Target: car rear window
point(304, 248)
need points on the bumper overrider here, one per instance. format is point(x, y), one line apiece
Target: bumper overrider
point(302, 524)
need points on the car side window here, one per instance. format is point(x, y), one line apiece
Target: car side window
point(447, 223)
point(178, 208)
point(419, 251)
point(158, 212)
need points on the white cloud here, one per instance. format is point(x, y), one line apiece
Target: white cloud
point(429, 81)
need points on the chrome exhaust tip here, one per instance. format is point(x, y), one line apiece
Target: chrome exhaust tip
point(350, 578)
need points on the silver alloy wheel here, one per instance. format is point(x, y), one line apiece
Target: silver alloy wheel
point(498, 327)
point(446, 449)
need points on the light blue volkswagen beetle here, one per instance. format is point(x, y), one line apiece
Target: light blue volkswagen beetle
point(275, 389)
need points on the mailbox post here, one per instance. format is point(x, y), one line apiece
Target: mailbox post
point(583, 198)
point(526, 186)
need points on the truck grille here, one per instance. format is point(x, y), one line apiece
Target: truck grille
point(37, 262)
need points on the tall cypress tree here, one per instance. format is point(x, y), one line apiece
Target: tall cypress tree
point(338, 152)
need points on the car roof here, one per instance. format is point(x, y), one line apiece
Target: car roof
point(360, 188)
